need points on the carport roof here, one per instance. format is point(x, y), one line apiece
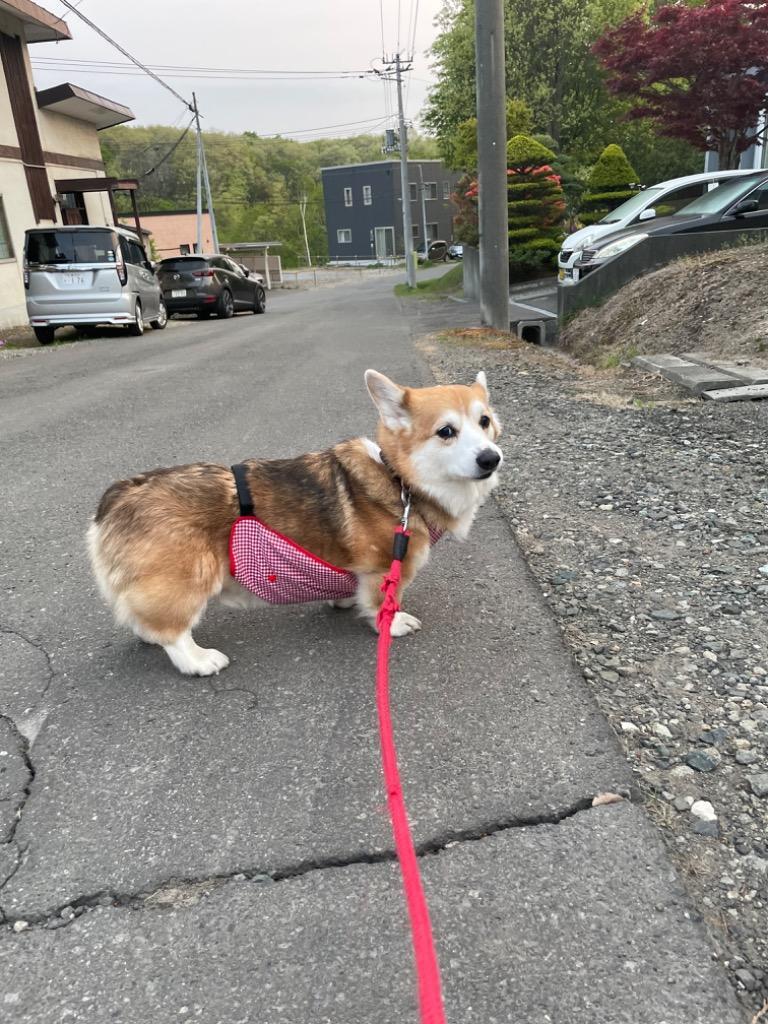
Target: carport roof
point(40, 26)
point(73, 101)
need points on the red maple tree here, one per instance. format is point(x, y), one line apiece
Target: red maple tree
point(701, 73)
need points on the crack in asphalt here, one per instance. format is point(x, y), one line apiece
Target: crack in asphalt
point(51, 672)
point(23, 745)
point(189, 891)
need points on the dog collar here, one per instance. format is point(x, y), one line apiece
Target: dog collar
point(405, 490)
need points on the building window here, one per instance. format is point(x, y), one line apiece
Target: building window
point(183, 250)
point(347, 196)
point(430, 190)
point(415, 229)
point(413, 190)
point(367, 195)
point(6, 252)
point(344, 236)
point(433, 232)
point(446, 190)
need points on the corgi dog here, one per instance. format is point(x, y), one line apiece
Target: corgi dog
point(165, 542)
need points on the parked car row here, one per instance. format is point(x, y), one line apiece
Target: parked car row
point(717, 201)
point(85, 276)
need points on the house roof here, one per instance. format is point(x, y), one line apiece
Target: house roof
point(380, 163)
point(84, 105)
point(40, 26)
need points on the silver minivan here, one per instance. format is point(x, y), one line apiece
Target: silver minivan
point(85, 275)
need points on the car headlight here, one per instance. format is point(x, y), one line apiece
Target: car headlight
point(619, 246)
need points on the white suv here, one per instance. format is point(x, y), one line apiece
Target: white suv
point(658, 200)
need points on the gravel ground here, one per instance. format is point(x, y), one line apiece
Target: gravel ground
point(643, 516)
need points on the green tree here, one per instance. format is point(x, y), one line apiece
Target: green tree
point(464, 149)
point(550, 67)
point(612, 180)
point(536, 206)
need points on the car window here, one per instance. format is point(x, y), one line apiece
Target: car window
point(632, 206)
point(717, 200)
point(761, 195)
point(217, 263)
point(679, 197)
point(70, 247)
point(179, 265)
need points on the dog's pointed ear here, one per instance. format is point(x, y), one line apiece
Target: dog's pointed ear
point(482, 381)
point(389, 399)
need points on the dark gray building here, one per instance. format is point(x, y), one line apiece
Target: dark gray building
point(363, 214)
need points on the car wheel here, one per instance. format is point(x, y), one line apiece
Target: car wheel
point(226, 306)
point(260, 302)
point(162, 318)
point(44, 334)
point(137, 327)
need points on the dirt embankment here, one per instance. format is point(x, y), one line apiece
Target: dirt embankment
point(715, 303)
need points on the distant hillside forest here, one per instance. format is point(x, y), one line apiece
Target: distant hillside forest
point(256, 182)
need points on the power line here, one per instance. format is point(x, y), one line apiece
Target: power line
point(205, 77)
point(195, 67)
point(171, 151)
point(125, 53)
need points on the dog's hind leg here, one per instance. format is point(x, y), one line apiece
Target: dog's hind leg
point(160, 616)
point(193, 660)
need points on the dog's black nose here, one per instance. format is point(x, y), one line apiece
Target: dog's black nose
point(488, 460)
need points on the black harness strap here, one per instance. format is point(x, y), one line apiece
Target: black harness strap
point(243, 490)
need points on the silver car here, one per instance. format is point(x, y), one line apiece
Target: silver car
point(83, 275)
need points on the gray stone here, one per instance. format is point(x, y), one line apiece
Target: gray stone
point(666, 614)
point(703, 760)
point(747, 979)
point(706, 828)
point(759, 784)
point(746, 756)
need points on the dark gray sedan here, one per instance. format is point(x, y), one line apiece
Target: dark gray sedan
point(209, 284)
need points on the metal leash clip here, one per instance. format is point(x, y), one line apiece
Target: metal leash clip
point(405, 497)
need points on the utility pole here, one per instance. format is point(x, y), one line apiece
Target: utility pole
point(209, 198)
point(303, 212)
point(410, 263)
point(492, 163)
point(423, 210)
point(202, 173)
point(199, 194)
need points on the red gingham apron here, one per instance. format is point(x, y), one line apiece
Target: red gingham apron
point(280, 571)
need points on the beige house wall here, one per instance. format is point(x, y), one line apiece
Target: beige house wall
point(61, 135)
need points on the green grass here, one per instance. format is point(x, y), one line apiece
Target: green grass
point(436, 287)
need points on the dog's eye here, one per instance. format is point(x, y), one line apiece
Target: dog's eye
point(446, 433)
point(485, 422)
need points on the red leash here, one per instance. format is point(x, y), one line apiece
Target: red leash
point(430, 996)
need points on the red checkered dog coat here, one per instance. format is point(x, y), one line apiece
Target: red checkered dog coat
point(276, 568)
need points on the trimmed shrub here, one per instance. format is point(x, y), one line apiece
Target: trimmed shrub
point(536, 205)
point(612, 180)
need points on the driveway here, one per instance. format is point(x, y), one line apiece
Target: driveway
point(218, 850)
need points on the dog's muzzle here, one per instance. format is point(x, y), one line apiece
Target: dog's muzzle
point(487, 462)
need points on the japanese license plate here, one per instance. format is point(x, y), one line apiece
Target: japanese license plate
point(73, 280)
point(178, 293)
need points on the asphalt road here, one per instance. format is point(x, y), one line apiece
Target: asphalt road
point(218, 850)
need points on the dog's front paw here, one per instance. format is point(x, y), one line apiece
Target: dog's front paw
point(403, 624)
point(343, 603)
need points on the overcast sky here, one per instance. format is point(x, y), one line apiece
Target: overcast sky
point(280, 35)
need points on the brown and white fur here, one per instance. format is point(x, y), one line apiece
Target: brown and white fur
point(159, 541)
